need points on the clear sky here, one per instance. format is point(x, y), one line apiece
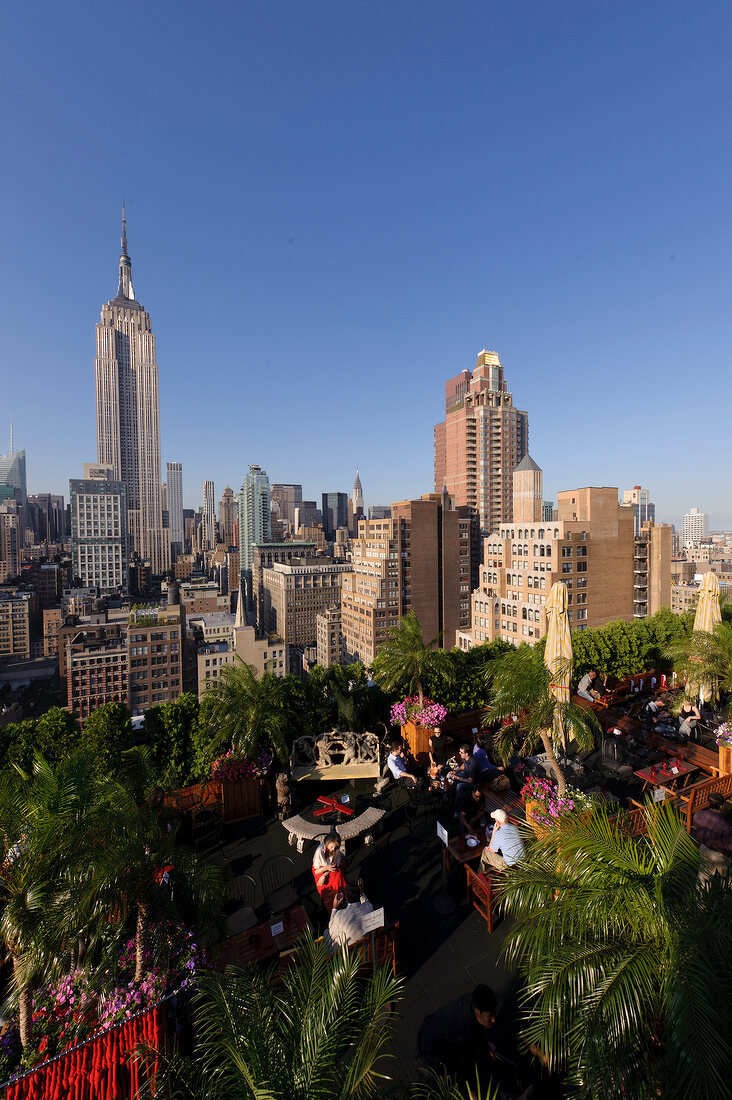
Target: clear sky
point(333, 207)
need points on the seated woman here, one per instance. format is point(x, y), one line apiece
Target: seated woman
point(329, 867)
point(689, 718)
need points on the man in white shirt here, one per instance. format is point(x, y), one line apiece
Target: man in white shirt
point(506, 846)
point(401, 768)
point(346, 923)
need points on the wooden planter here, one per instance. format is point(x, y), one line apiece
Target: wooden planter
point(725, 760)
point(417, 740)
point(242, 799)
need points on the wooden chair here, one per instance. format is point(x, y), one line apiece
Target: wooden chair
point(378, 949)
point(480, 893)
point(276, 879)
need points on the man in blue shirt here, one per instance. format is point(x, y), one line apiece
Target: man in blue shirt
point(506, 846)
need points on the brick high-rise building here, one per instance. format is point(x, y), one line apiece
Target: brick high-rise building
point(480, 442)
point(652, 569)
point(295, 592)
point(421, 559)
point(228, 518)
point(128, 419)
point(590, 547)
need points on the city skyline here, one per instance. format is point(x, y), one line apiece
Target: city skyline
point(350, 236)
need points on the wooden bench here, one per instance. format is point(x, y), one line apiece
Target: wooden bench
point(697, 797)
point(506, 800)
point(706, 759)
point(302, 831)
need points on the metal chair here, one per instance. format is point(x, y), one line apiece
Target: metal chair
point(242, 889)
point(276, 878)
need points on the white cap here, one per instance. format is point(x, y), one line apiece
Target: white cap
point(500, 815)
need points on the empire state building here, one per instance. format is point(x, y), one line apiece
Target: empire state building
point(128, 420)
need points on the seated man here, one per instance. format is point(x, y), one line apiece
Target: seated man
point(465, 778)
point(488, 770)
point(658, 720)
point(346, 919)
point(505, 847)
point(403, 769)
point(713, 831)
point(586, 689)
point(454, 1039)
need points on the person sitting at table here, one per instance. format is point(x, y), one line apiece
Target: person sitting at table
point(713, 832)
point(347, 917)
point(438, 743)
point(689, 718)
point(658, 720)
point(329, 869)
point(586, 687)
point(466, 779)
point(490, 772)
point(402, 768)
point(505, 844)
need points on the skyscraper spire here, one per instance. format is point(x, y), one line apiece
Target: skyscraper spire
point(124, 288)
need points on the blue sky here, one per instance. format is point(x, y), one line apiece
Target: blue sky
point(332, 208)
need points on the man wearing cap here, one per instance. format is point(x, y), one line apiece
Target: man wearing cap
point(505, 846)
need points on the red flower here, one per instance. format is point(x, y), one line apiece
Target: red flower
point(43, 1044)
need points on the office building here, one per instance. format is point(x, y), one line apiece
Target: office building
point(128, 420)
point(590, 547)
point(209, 515)
point(174, 500)
point(421, 559)
point(268, 554)
point(695, 527)
point(306, 515)
point(99, 530)
point(287, 498)
point(17, 612)
point(254, 522)
point(295, 592)
point(335, 513)
point(643, 510)
point(47, 517)
point(95, 667)
point(10, 539)
point(480, 442)
point(155, 640)
point(228, 520)
point(329, 643)
point(651, 569)
point(52, 619)
point(13, 474)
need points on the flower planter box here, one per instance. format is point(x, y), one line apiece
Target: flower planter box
point(242, 799)
point(417, 740)
point(196, 796)
point(725, 760)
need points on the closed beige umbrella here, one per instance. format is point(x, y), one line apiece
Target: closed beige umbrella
point(707, 617)
point(558, 651)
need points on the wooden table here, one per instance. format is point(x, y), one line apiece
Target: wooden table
point(258, 944)
point(665, 776)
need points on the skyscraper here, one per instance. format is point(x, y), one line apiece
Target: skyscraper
point(209, 515)
point(695, 527)
point(335, 513)
point(12, 473)
point(99, 530)
point(228, 517)
point(643, 510)
point(128, 420)
point(358, 495)
point(254, 521)
point(480, 442)
point(174, 483)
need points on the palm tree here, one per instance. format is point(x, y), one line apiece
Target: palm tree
point(45, 824)
point(520, 683)
point(626, 960)
point(140, 871)
point(709, 655)
point(247, 712)
point(321, 1035)
point(405, 661)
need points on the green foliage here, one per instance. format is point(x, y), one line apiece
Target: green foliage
point(623, 649)
point(467, 690)
point(17, 744)
point(108, 734)
point(703, 657)
point(248, 713)
point(171, 730)
point(318, 1036)
point(405, 662)
point(626, 960)
point(57, 734)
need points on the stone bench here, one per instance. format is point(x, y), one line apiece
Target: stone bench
point(302, 831)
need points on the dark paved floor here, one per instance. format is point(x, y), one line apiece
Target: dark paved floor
point(439, 957)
